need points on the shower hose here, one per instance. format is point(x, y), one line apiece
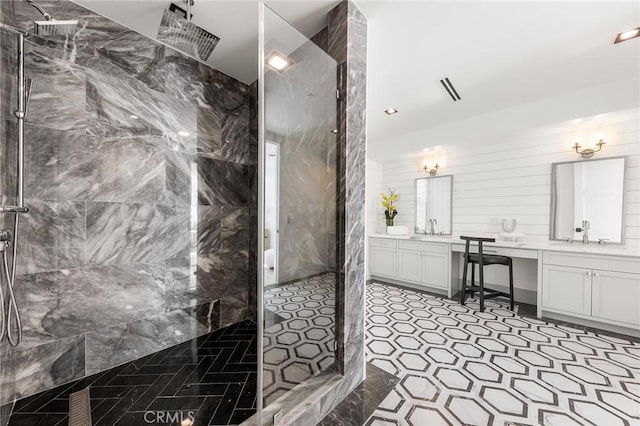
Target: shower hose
point(9, 308)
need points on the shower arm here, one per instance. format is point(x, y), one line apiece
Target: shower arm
point(40, 9)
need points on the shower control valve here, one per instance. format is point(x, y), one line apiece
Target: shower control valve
point(6, 236)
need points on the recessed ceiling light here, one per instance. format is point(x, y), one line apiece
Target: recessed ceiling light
point(279, 62)
point(135, 117)
point(391, 111)
point(627, 35)
point(183, 133)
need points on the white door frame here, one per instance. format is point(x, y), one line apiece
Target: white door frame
point(276, 238)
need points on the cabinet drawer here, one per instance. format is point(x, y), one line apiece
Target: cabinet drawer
point(592, 261)
point(423, 246)
point(382, 242)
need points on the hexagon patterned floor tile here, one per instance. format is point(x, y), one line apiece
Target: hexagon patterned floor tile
point(301, 344)
point(459, 366)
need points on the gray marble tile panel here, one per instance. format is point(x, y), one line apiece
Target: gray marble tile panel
point(119, 106)
point(223, 273)
point(128, 170)
point(303, 241)
point(113, 346)
point(210, 228)
point(55, 167)
point(58, 91)
point(209, 131)
point(236, 142)
point(183, 79)
point(181, 178)
point(45, 366)
point(233, 308)
point(136, 233)
point(200, 180)
point(52, 236)
point(222, 183)
point(215, 276)
point(70, 302)
point(139, 56)
point(234, 227)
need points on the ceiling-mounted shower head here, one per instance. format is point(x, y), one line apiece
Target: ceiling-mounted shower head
point(180, 33)
point(55, 28)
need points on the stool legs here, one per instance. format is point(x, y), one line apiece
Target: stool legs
point(481, 285)
point(464, 281)
point(473, 277)
point(511, 284)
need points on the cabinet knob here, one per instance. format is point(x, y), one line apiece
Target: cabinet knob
point(588, 274)
point(596, 274)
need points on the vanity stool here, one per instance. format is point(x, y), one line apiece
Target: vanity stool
point(483, 260)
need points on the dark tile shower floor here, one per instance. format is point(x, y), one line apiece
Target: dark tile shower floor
point(212, 378)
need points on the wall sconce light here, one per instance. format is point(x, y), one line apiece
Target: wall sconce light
point(588, 152)
point(431, 172)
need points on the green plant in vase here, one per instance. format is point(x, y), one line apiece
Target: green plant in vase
point(390, 210)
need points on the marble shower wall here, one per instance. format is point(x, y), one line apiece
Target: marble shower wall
point(140, 165)
point(300, 115)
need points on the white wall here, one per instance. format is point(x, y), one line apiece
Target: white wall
point(372, 200)
point(375, 212)
point(511, 176)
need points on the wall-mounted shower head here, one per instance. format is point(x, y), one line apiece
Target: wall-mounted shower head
point(51, 27)
point(55, 28)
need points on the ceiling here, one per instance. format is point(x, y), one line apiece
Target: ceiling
point(516, 64)
point(234, 21)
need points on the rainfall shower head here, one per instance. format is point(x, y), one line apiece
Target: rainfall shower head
point(180, 33)
point(51, 27)
point(55, 28)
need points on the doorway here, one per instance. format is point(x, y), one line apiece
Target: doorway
point(271, 212)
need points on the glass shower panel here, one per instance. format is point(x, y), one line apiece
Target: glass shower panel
point(299, 147)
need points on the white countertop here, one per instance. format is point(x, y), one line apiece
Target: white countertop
point(575, 247)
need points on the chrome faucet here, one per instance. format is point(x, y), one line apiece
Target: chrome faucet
point(585, 231)
point(431, 224)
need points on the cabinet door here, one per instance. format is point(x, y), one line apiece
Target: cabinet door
point(382, 261)
point(409, 265)
point(566, 289)
point(616, 296)
point(434, 269)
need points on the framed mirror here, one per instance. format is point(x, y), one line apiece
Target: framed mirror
point(588, 194)
point(433, 205)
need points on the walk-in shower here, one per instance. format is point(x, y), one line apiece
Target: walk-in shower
point(142, 172)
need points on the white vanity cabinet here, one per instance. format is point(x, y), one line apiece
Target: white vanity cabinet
point(383, 257)
point(424, 263)
point(598, 288)
point(566, 289)
point(616, 296)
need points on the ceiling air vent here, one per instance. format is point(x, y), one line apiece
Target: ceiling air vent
point(450, 89)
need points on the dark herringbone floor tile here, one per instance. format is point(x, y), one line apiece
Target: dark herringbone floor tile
point(211, 378)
